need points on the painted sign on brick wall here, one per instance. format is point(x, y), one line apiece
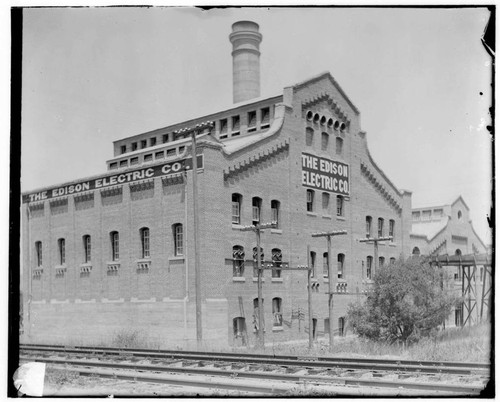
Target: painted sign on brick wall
point(165, 169)
point(325, 174)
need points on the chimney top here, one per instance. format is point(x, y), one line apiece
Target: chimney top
point(246, 39)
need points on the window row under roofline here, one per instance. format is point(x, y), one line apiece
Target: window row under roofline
point(246, 121)
point(160, 155)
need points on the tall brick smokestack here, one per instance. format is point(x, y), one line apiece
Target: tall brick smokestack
point(246, 60)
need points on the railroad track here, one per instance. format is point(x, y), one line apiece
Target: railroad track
point(269, 373)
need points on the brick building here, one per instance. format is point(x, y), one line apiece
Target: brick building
point(114, 252)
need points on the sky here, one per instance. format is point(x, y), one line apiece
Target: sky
point(419, 76)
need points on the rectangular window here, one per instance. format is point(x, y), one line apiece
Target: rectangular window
point(235, 125)
point(134, 146)
point(124, 163)
point(426, 215)
point(115, 246)
point(144, 144)
point(415, 216)
point(159, 155)
point(264, 117)
point(181, 150)
point(178, 239)
point(341, 326)
point(171, 152)
point(340, 205)
point(380, 227)
point(325, 265)
point(152, 141)
point(123, 149)
point(252, 121)
point(86, 249)
point(62, 251)
point(148, 158)
point(310, 200)
point(223, 126)
point(165, 138)
point(113, 165)
point(38, 251)
point(134, 161)
point(437, 214)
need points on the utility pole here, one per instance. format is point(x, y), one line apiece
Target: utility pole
point(375, 241)
point(331, 277)
point(197, 279)
point(309, 298)
point(197, 270)
point(257, 228)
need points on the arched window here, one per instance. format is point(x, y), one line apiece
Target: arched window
point(325, 265)
point(236, 214)
point(312, 261)
point(459, 215)
point(144, 234)
point(38, 252)
point(276, 259)
point(324, 141)
point(340, 265)
point(87, 250)
point(415, 251)
point(238, 261)
point(339, 145)
point(254, 255)
point(381, 261)
point(309, 136)
point(368, 226)
point(62, 251)
point(458, 252)
point(178, 239)
point(310, 200)
point(239, 328)
point(392, 260)
point(325, 200)
point(380, 227)
point(256, 314)
point(277, 312)
point(115, 246)
point(275, 212)
point(340, 205)
point(256, 206)
point(369, 262)
point(391, 229)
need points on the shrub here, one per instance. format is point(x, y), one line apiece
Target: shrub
point(407, 301)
